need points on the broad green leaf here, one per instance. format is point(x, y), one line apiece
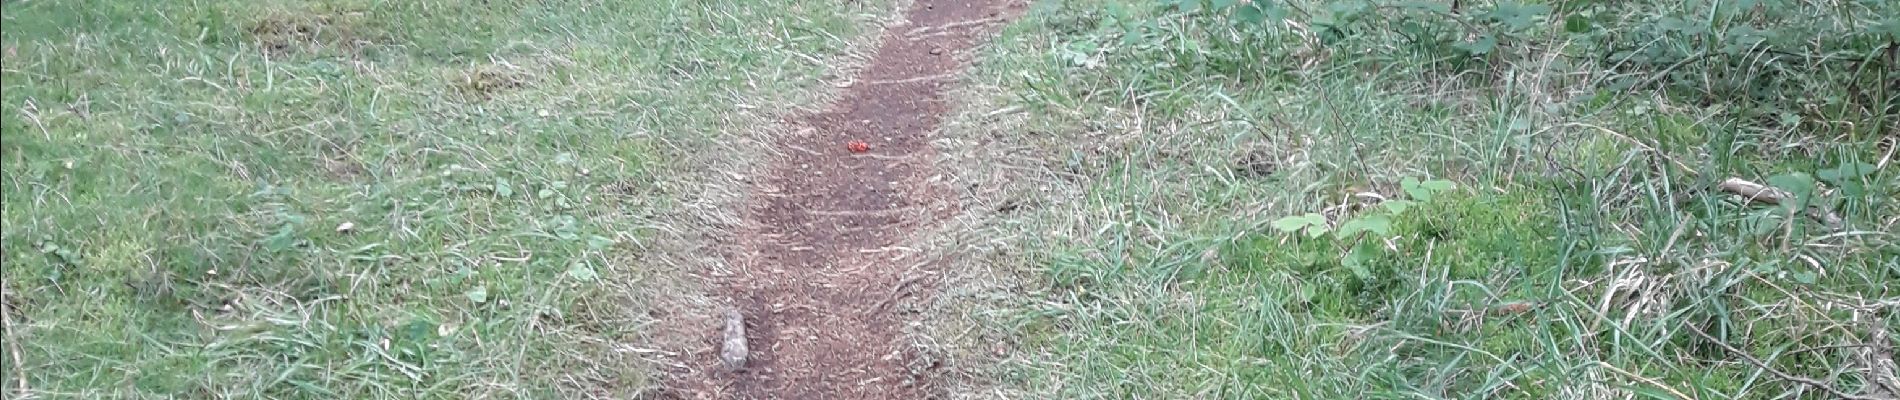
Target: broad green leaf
point(1437, 185)
point(1577, 24)
point(1846, 171)
point(582, 272)
point(1418, 190)
point(1762, 223)
point(1290, 224)
point(1250, 14)
point(1324, 19)
point(1356, 259)
point(1398, 206)
point(1518, 16)
point(503, 189)
point(419, 330)
point(1690, 27)
point(1426, 5)
point(1799, 184)
point(478, 295)
point(1357, 266)
point(1339, 14)
point(1131, 34)
point(1259, 13)
point(1767, 268)
point(1317, 230)
point(1848, 177)
point(598, 242)
point(1348, 9)
point(1313, 223)
point(64, 255)
point(1521, 124)
point(1889, 27)
point(284, 239)
point(1376, 223)
point(1805, 277)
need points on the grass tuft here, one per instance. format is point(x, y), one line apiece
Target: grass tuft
point(1583, 253)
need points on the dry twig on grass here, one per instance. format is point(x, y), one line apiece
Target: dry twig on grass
point(1759, 193)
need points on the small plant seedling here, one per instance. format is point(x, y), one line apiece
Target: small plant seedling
point(1376, 221)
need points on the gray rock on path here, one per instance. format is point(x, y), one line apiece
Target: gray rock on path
point(734, 353)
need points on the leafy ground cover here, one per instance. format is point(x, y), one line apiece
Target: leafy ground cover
point(1421, 199)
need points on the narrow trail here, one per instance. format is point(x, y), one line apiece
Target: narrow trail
point(817, 262)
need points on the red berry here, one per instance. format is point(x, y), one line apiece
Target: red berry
point(858, 146)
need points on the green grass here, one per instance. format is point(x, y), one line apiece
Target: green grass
point(517, 178)
point(178, 175)
point(1577, 258)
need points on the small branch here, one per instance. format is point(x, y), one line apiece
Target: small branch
point(1837, 393)
point(1758, 193)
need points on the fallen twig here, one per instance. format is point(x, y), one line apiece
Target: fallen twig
point(1759, 193)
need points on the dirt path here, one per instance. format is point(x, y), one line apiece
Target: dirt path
point(817, 262)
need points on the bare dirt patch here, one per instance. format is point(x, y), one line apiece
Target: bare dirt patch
point(818, 260)
point(486, 81)
point(280, 33)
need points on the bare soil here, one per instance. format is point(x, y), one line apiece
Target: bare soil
point(818, 262)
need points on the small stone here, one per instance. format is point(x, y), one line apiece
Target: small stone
point(936, 50)
point(346, 227)
point(733, 353)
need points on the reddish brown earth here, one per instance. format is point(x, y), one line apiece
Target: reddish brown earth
point(817, 266)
